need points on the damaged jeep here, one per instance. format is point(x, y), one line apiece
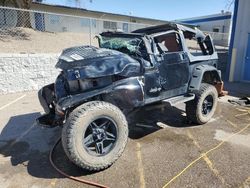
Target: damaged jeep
point(98, 86)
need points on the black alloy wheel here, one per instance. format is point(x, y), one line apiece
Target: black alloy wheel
point(100, 136)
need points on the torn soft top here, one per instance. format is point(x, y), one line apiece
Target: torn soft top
point(157, 28)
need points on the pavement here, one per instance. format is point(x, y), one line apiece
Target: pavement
point(163, 150)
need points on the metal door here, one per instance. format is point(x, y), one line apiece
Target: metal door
point(247, 61)
point(174, 70)
point(39, 21)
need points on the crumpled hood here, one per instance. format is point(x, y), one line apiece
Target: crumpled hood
point(91, 62)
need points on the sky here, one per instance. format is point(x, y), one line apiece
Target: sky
point(156, 9)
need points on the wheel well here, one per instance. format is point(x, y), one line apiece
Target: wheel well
point(205, 74)
point(211, 77)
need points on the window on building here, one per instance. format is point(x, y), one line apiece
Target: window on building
point(54, 19)
point(84, 22)
point(216, 30)
point(109, 25)
point(93, 23)
point(133, 20)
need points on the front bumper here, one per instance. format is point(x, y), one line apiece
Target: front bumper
point(47, 100)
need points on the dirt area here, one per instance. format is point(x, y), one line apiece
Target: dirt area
point(25, 40)
point(163, 149)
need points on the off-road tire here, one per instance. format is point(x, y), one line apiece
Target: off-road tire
point(77, 122)
point(194, 107)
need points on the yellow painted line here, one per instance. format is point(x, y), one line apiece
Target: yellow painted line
point(242, 109)
point(207, 160)
point(213, 169)
point(203, 154)
point(238, 115)
point(194, 141)
point(231, 123)
point(12, 102)
point(140, 165)
point(246, 183)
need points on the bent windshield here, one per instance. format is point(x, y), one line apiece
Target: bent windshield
point(126, 45)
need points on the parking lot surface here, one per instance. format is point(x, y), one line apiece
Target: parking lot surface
point(163, 150)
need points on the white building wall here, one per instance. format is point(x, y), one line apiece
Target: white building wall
point(207, 24)
point(240, 40)
point(210, 25)
point(221, 37)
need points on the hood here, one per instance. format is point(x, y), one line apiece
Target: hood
point(90, 62)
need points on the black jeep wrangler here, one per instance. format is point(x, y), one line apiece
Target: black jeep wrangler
point(98, 86)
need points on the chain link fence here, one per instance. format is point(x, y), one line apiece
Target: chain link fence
point(28, 31)
point(50, 29)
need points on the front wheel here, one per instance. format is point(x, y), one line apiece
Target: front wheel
point(202, 108)
point(95, 135)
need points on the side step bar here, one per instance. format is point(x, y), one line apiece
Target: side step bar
point(179, 99)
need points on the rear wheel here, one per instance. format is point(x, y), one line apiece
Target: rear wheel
point(202, 108)
point(95, 135)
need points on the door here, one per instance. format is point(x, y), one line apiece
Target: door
point(171, 73)
point(174, 70)
point(173, 63)
point(169, 76)
point(39, 21)
point(247, 61)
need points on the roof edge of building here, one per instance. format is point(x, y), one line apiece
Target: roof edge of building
point(100, 12)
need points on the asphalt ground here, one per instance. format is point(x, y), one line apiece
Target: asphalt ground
point(163, 150)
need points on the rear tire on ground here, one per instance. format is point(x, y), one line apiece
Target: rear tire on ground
point(95, 135)
point(202, 108)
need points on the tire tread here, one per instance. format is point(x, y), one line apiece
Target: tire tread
point(68, 133)
point(191, 106)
